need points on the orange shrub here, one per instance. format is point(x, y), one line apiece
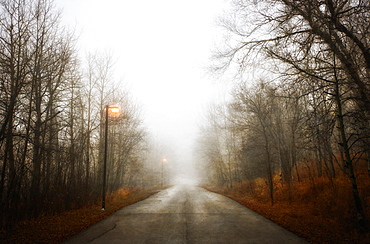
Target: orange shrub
point(320, 209)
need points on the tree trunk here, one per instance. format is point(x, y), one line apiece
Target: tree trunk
point(348, 162)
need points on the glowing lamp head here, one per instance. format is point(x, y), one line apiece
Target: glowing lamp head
point(114, 109)
point(164, 160)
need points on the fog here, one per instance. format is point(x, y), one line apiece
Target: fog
point(111, 100)
point(161, 50)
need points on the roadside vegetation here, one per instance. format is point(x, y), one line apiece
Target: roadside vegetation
point(293, 140)
point(58, 133)
point(59, 227)
point(317, 209)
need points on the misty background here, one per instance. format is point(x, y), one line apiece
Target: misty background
point(162, 50)
point(281, 116)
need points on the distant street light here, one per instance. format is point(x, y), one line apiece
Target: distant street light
point(164, 160)
point(114, 110)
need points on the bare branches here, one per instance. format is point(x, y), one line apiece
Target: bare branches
point(321, 49)
point(50, 117)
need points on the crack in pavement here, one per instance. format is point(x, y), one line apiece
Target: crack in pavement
point(102, 234)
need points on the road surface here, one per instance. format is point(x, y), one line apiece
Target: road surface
point(186, 214)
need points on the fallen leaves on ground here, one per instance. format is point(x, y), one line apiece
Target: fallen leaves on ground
point(321, 215)
point(60, 227)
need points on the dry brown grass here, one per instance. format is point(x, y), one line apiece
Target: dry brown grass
point(60, 227)
point(317, 209)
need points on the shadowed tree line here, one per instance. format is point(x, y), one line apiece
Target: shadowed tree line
point(312, 105)
point(52, 118)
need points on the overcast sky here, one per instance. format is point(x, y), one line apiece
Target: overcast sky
point(162, 48)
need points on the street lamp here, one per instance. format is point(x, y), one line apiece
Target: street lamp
point(114, 110)
point(164, 160)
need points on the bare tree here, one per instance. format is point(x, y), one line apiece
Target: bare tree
point(14, 68)
point(322, 42)
point(50, 118)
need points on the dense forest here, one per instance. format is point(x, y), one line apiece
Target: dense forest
point(298, 114)
point(52, 118)
point(304, 115)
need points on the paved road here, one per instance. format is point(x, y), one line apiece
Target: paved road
point(186, 214)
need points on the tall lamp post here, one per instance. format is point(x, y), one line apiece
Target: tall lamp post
point(164, 160)
point(115, 110)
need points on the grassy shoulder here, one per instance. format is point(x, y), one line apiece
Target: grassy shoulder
point(60, 227)
point(320, 214)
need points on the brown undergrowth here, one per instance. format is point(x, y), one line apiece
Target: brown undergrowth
point(319, 209)
point(60, 227)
